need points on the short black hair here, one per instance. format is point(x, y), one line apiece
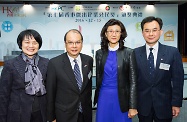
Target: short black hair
point(150, 19)
point(74, 30)
point(29, 33)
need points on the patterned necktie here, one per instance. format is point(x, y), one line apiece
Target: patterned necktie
point(77, 74)
point(78, 78)
point(151, 63)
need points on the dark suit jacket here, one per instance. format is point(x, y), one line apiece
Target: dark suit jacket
point(166, 89)
point(63, 94)
point(15, 104)
point(126, 77)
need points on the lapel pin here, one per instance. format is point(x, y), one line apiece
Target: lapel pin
point(161, 59)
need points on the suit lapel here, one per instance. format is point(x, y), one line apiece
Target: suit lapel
point(104, 58)
point(69, 71)
point(41, 67)
point(143, 60)
point(84, 71)
point(20, 66)
point(160, 57)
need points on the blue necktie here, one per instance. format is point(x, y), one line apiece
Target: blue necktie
point(78, 78)
point(151, 63)
point(77, 74)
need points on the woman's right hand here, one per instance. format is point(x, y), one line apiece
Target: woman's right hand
point(132, 113)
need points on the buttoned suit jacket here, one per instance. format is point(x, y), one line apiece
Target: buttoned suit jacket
point(166, 88)
point(63, 94)
point(15, 104)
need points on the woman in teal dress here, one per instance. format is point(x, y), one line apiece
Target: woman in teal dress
point(115, 94)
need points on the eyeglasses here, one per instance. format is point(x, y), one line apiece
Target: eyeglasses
point(74, 43)
point(147, 31)
point(111, 32)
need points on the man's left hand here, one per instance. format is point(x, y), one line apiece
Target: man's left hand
point(175, 111)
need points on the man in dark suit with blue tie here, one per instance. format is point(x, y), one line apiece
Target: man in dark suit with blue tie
point(160, 75)
point(69, 83)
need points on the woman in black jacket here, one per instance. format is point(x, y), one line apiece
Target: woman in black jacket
point(115, 93)
point(22, 90)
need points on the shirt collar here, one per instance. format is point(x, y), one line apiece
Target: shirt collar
point(113, 49)
point(155, 47)
point(72, 59)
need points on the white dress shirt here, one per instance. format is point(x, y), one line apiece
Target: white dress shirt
point(79, 62)
point(155, 52)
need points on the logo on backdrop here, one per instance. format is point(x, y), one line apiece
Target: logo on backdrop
point(169, 36)
point(7, 26)
point(107, 8)
point(13, 11)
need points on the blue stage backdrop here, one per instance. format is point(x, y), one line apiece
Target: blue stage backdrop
point(52, 21)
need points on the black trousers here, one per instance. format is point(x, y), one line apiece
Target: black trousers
point(36, 116)
point(80, 117)
point(152, 116)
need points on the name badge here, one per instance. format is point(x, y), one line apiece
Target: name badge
point(164, 66)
